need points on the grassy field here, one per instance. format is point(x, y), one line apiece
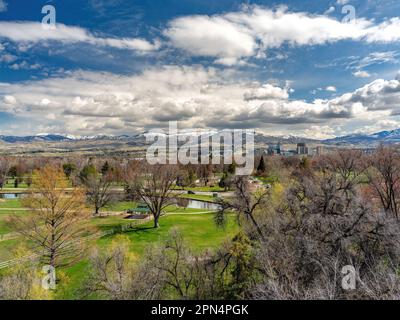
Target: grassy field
point(6, 249)
point(10, 203)
point(4, 228)
point(119, 206)
point(198, 229)
point(4, 214)
point(105, 222)
point(123, 206)
point(11, 183)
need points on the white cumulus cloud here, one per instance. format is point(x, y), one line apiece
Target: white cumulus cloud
point(33, 32)
point(87, 103)
point(233, 36)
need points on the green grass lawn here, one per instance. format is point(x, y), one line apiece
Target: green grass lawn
point(199, 231)
point(119, 206)
point(4, 214)
point(175, 209)
point(6, 249)
point(4, 227)
point(123, 206)
point(10, 184)
point(10, 203)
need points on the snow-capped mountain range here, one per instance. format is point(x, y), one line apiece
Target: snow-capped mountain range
point(385, 137)
point(43, 137)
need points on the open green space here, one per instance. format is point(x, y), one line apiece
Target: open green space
point(123, 206)
point(199, 231)
point(10, 203)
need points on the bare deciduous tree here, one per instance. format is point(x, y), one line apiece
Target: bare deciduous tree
point(245, 203)
point(113, 275)
point(384, 178)
point(4, 168)
point(98, 190)
point(153, 185)
point(318, 231)
point(56, 222)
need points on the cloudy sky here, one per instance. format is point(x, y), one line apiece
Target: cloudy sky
point(121, 67)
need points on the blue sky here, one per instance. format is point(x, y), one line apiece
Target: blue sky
point(121, 67)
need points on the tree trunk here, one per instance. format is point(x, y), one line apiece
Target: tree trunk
point(156, 224)
point(52, 258)
point(256, 225)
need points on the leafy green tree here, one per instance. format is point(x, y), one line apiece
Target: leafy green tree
point(242, 266)
point(87, 171)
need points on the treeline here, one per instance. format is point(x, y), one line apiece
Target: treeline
point(325, 214)
point(297, 233)
point(78, 167)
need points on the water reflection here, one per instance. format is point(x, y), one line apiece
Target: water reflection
point(10, 195)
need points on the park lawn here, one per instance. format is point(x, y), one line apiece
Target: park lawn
point(10, 203)
point(6, 249)
point(4, 228)
point(176, 209)
point(119, 206)
point(10, 184)
point(4, 214)
point(199, 232)
point(123, 206)
point(102, 223)
point(108, 222)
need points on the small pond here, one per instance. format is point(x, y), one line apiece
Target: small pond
point(10, 195)
point(197, 204)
